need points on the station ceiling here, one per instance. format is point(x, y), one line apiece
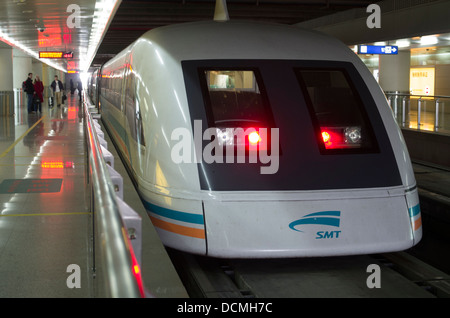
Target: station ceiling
point(70, 25)
point(135, 17)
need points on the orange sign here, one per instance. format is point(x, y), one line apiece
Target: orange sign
point(422, 80)
point(50, 55)
point(55, 55)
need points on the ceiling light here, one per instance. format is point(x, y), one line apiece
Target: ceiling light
point(428, 40)
point(402, 43)
point(10, 41)
point(104, 9)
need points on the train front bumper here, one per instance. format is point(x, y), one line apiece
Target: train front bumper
point(327, 226)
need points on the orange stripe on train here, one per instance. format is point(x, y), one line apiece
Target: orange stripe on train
point(178, 229)
point(417, 224)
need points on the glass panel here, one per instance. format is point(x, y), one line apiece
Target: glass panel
point(337, 109)
point(235, 99)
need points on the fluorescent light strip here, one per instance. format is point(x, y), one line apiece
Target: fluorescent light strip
point(103, 11)
point(428, 40)
point(102, 15)
point(11, 41)
point(403, 43)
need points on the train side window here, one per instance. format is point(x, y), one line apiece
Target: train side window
point(337, 111)
point(117, 87)
point(105, 85)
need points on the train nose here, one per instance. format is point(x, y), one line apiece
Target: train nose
point(305, 228)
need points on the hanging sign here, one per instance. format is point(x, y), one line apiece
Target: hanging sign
point(377, 49)
point(55, 55)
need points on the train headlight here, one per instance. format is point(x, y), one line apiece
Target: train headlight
point(225, 136)
point(352, 135)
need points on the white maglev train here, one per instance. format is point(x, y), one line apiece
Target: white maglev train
point(339, 178)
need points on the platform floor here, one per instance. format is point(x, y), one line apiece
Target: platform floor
point(45, 223)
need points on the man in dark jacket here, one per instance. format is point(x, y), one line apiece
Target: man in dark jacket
point(29, 89)
point(58, 89)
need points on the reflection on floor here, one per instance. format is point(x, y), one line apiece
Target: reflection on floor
point(44, 216)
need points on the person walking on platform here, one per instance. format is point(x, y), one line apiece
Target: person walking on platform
point(72, 88)
point(39, 89)
point(80, 88)
point(29, 89)
point(58, 88)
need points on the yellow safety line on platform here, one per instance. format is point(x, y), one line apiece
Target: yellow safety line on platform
point(21, 137)
point(46, 214)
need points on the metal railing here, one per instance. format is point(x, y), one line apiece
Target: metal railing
point(120, 264)
point(422, 112)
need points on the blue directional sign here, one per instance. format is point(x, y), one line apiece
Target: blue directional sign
point(377, 49)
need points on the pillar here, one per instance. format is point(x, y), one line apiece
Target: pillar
point(6, 81)
point(46, 80)
point(37, 68)
point(22, 65)
point(394, 72)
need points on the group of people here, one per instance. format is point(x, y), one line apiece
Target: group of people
point(35, 92)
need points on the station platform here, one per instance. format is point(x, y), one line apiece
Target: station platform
point(46, 223)
point(44, 212)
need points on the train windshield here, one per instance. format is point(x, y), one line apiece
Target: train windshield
point(235, 99)
point(317, 126)
point(337, 111)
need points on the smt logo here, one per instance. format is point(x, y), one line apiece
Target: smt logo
point(328, 218)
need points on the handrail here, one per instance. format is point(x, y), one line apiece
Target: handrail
point(115, 248)
point(393, 97)
point(414, 95)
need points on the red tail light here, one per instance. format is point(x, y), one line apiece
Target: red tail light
point(254, 138)
point(326, 136)
point(331, 138)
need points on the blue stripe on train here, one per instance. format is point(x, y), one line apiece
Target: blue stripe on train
point(173, 214)
point(414, 210)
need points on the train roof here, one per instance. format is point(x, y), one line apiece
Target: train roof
point(245, 40)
